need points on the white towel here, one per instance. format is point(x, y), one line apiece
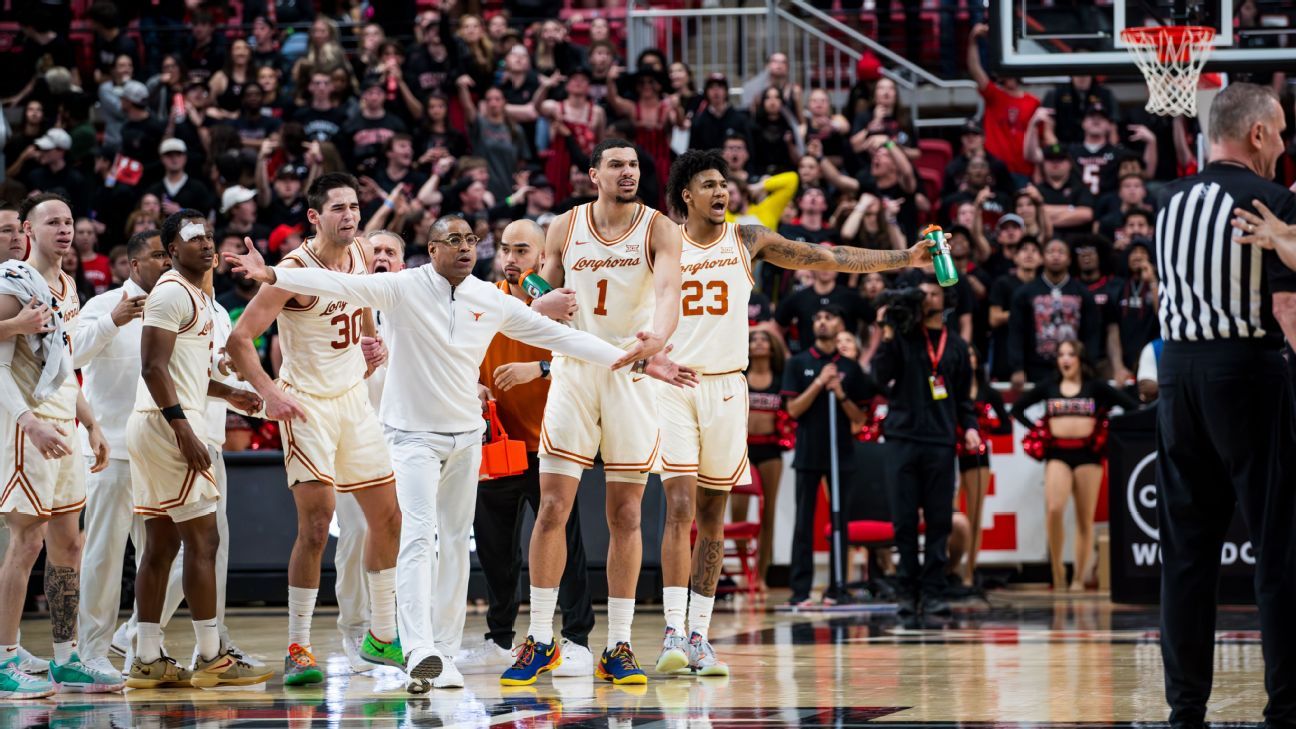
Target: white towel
point(20, 280)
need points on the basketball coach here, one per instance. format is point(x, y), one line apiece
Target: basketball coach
point(1225, 421)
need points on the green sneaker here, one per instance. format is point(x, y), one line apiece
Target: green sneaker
point(300, 668)
point(76, 675)
point(382, 654)
point(15, 684)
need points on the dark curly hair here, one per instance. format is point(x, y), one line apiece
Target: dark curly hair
point(685, 168)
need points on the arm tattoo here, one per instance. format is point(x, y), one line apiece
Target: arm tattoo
point(796, 255)
point(63, 595)
point(706, 565)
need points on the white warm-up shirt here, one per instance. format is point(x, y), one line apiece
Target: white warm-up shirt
point(438, 336)
point(109, 358)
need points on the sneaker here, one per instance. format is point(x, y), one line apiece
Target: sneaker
point(530, 660)
point(620, 666)
point(103, 665)
point(162, 673)
point(907, 607)
point(27, 663)
point(226, 670)
point(425, 669)
point(577, 660)
point(121, 640)
point(488, 657)
point(382, 654)
point(351, 643)
point(936, 606)
point(300, 668)
point(18, 684)
point(238, 654)
point(674, 653)
point(702, 658)
point(77, 676)
point(450, 677)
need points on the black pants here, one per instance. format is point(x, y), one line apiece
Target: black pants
point(498, 529)
point(1225, 440)
point(802, 569)
point(921, 476)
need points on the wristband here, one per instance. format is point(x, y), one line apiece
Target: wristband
point(544, 369)
point(389, 204)
point(889, 144)
point(640, 366)
point(173, 412)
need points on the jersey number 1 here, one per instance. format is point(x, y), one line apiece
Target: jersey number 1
point(348, 329)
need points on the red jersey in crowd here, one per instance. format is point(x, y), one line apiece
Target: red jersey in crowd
point(1006, 117)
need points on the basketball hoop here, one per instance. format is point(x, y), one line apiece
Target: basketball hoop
point(1171, 58)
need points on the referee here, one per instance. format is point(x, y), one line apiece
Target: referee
point(1225, 419)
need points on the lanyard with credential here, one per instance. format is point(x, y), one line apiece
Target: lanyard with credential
point(937, 383)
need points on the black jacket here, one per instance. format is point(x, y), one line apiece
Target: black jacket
point(913, 414)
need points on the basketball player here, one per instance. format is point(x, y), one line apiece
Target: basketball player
point(705, 429)
point(41, 465)
point(387, 255)
point(622, 260)
point(333, 441)
point(171, 476)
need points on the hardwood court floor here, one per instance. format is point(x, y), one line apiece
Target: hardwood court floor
point(1021, 659)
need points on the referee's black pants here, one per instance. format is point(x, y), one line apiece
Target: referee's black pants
point(497, 527)
point(1225, 439)
point(921, 476)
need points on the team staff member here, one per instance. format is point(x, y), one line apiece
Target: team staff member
point(930, 374)
point(517, 377)
point(442, 320)
point(1225, 414)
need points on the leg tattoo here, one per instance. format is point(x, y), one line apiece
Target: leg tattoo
point(63, 593)
point(706, 565)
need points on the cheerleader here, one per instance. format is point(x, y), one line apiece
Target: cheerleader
point(768, 436)
point(974, 468)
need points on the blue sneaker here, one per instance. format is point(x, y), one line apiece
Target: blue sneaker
point(532, 660)
point(620, 666)
point(16, 684)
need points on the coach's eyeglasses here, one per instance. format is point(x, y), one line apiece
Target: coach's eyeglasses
point(459, 240)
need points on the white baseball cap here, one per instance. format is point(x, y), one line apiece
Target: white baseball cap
point(234, 196)
point(173, 145)
point(54, 139)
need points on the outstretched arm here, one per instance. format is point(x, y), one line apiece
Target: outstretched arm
point(665, 242)
point(765, 244)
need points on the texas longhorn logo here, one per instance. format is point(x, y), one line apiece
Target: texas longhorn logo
point(477, 315)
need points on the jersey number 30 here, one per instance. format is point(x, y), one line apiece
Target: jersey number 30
point(692, 293)
point(348, 329)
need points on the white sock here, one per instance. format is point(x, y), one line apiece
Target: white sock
point(8, 651)
point(301, 606)
point(148, 642)
point(543, 602)
point(382, 604)
point(699, 613)
point(675, 602)
point(63, 652)
point(620, 618)
point(208, 636)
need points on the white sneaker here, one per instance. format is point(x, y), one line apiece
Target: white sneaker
point(421, 668)
point(121, 641)
point(27, 663)
point(485, 658)
point(237, 653)
point(101, 665)
point(576, 661)
point(351, 646)
point(450, 677)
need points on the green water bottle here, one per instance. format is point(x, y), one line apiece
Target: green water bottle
point(533, 285)
point(946, 274)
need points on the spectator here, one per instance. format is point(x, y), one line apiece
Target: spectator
point(239, 210)
point(227, 84)
point(165, 85)
point(602, 59)
point(807, 379)
point(715, 120)
point(399, 98)
point(96, 268)
point(398, 167)
point(275, 101)
point(826, 132)
point(887, 117)
point(869, 226)
point(653, 116)
point(1068, 104)
point(22, 138)
point(1136, 305)
point(797, 312)
point(323, 51)
point(522, 86)
point(576, 124)
point(553, 53)
point(1096, 158)
point(968, 290)
point(176, 189)
point(265, 44)
point(1029, 206)
point(976, 187)
point(476, 50)
point(284, 206)
point(252, 122)
point(891, 177)
point(775, 76)
point(365, 133)
point(322, 117)
point(738, 157)
point(494, 136)
point(205, 54)
point(775, 135)
point(52, 173)
point(1008, 111)
point(110, 95)
point(1026, 263)
point(431, 67)
point(120, 263)
point(1130, 195)
point(684, 90)
point(435, 137)
point(1068, 205)
point(1046, 312)
point(531, 200)
point(972, 146)
point(1137, 225)
point(1092, 255)
point(775, 194)
point(766, 357)
point(74, 117)
point(110, 42)
point(142, 133)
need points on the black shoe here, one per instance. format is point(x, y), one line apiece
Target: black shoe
point(936, 606)
point(908, 607)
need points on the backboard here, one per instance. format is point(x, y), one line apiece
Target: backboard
point(1052, 37)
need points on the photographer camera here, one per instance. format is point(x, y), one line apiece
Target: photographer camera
point(930, 374)
point(807, 379)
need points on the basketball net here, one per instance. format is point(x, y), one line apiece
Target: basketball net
point(1171, 58)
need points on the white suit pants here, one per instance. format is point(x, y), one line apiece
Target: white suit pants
point(352, 587)
point(109, 515)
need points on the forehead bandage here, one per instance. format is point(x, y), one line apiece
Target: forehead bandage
point(192, 230)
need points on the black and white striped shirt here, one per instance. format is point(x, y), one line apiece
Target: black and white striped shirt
point(1211, 287)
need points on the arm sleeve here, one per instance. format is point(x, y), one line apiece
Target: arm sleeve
point(1147, 364)
point(1024, 401)
point(524, 325)
point(1109, 397)
point(95, 329)
point(382, 292)
point(12, 402)
point(996, 402)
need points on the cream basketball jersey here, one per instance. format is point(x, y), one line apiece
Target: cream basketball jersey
point(716, 282)
point(178, 306)
point(67, 306)
point(321, 341)
point(612, 278)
